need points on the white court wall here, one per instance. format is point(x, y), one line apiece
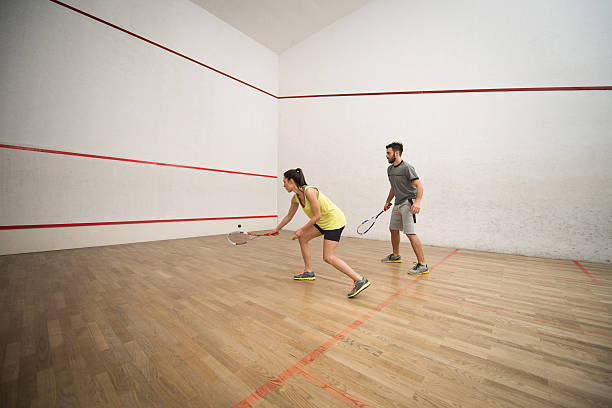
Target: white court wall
point(70, 83)
point(523, 172)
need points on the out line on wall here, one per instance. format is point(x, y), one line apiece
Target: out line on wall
point(414, 92)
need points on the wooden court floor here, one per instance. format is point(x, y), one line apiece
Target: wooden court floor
point(200, 323)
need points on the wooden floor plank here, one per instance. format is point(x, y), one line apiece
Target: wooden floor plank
point(199, 323)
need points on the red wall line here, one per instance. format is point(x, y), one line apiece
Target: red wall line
point(446, 91)
point(158, 45)
point(90, 224)
point(94, 156)
point(442, 91)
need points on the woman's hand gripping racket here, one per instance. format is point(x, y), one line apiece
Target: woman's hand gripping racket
point(369, 223)
point(241, 237)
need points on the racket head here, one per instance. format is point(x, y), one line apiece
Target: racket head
point(365, 226)
point(238, 238)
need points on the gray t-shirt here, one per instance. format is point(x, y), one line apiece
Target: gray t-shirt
point(401, 177)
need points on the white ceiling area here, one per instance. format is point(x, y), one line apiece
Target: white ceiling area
point(279, 24)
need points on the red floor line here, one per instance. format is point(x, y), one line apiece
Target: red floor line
point(445, 258)
point(158, 45)
point(587, 273)
point(90, 224)
point(338, 393)
point(515, 315)
point(94, 156)
point(282, 377)
point(538, 277)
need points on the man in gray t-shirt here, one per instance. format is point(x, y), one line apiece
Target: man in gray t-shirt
point(407, 189)
point(401, 177)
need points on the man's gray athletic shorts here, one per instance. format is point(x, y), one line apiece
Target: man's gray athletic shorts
point(401, 218)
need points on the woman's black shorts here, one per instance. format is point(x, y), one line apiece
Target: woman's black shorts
point(330, 235)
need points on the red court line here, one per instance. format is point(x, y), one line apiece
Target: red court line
point(445, 258)
point(158, 45)
point(90, 224)
point(526, 275)
point(515, 315)
point(336, 392)
point(447, 91)
point(282, 377)
point(587, 273)
point(94, 156)
point(441, 91)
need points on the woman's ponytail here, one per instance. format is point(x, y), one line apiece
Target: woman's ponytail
point(296, 175)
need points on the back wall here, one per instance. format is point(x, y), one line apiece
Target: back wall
point(511, 172)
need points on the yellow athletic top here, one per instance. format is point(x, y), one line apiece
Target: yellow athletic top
point(331, 216)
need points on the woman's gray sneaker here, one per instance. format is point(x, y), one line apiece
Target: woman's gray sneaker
point(305, 276)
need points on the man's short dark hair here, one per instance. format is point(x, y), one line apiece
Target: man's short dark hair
point(396, 147)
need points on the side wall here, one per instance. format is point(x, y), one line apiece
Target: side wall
point(69, 83)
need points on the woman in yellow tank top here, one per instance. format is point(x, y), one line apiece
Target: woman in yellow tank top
point(325, 219)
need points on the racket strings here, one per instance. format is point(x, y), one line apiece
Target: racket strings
point(238, 238)
point(365, 226)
